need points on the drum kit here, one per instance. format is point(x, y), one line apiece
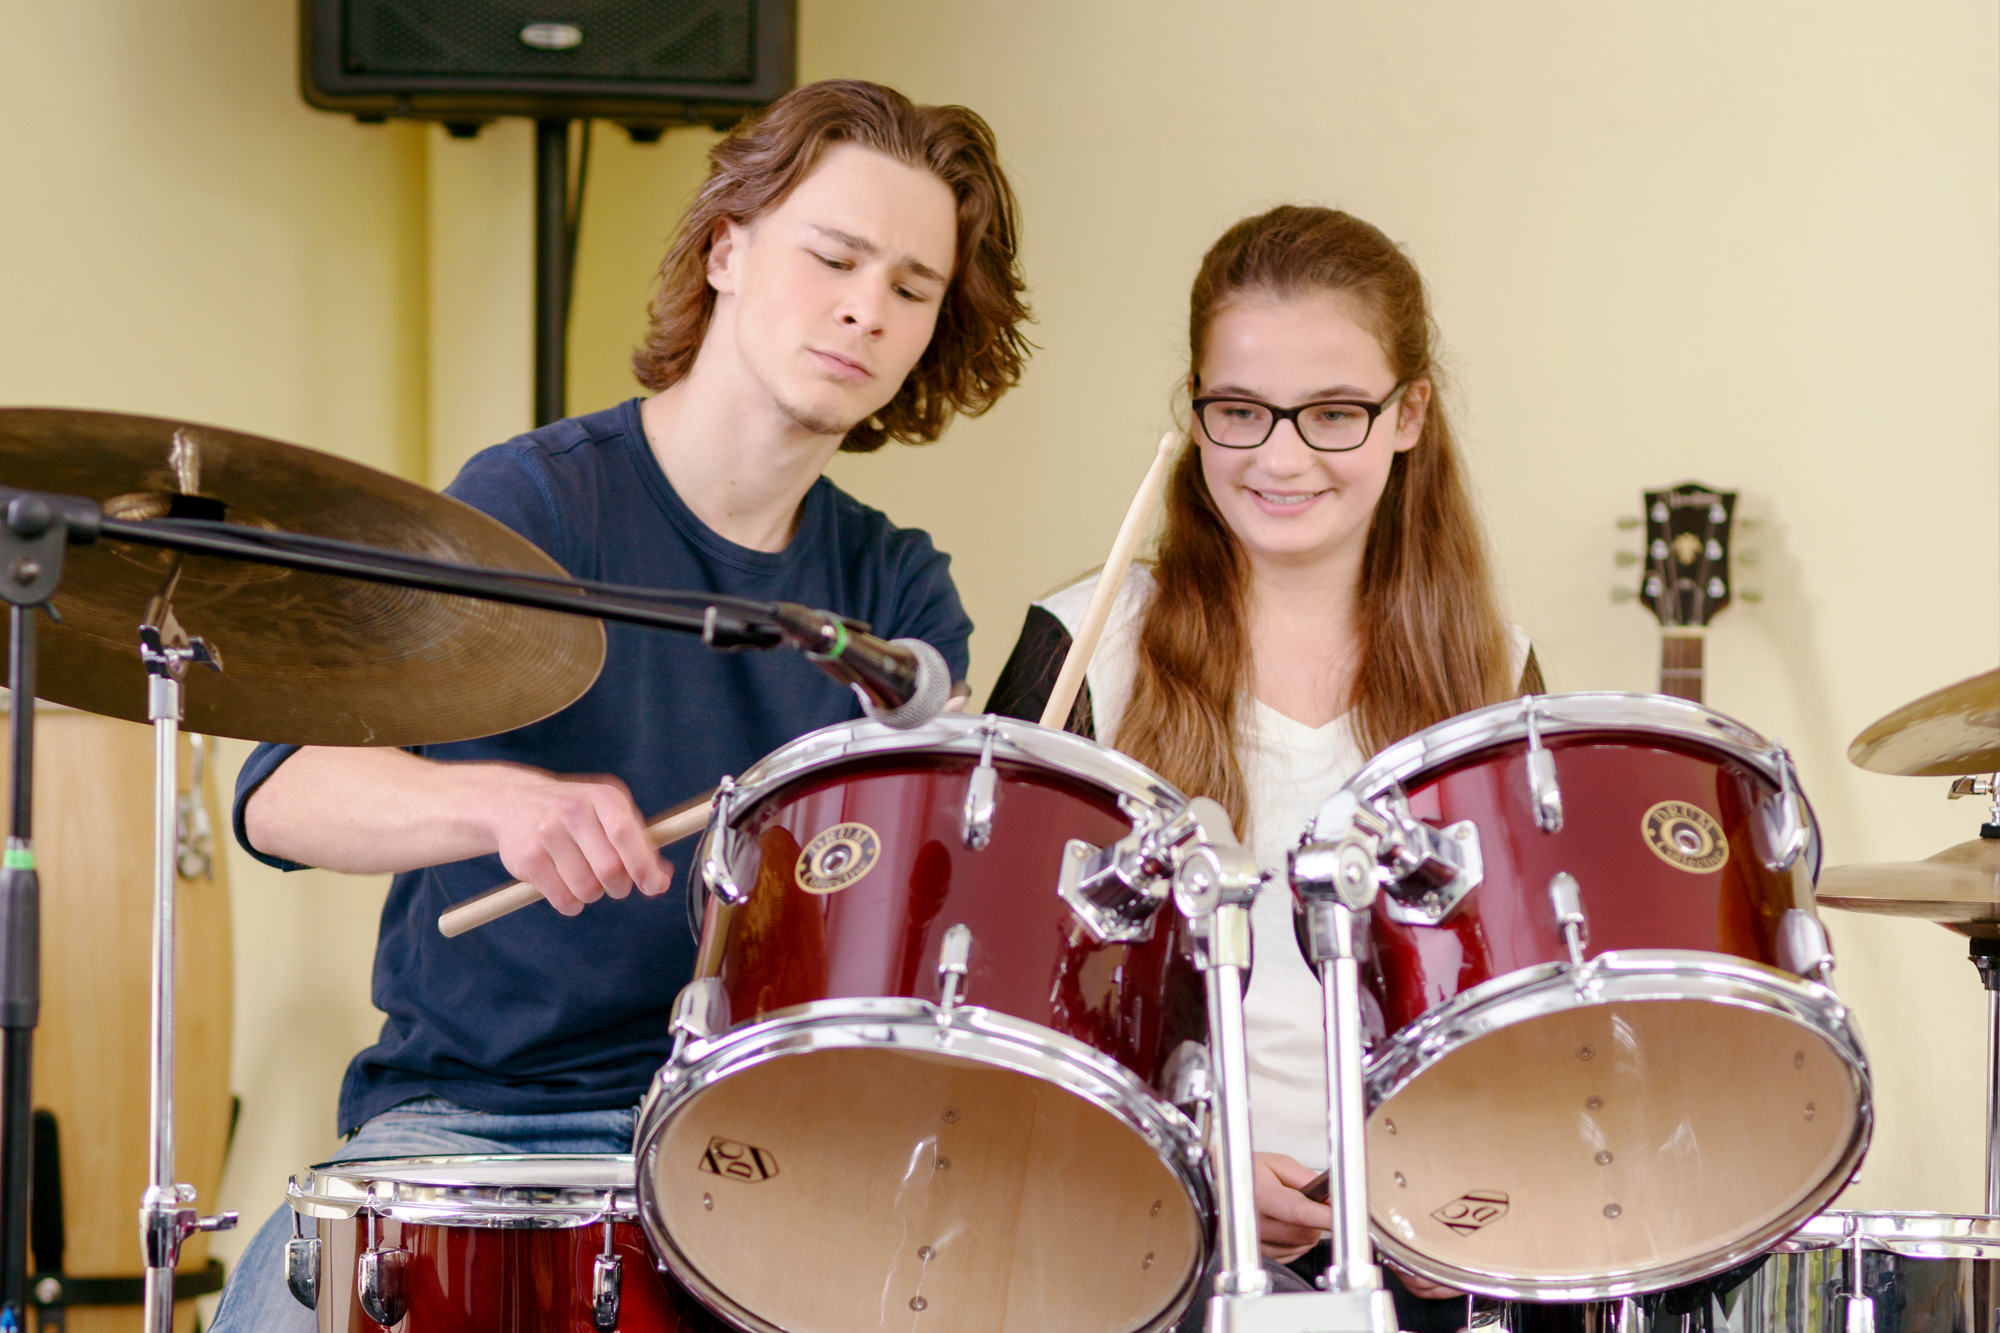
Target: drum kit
point(964, 1049)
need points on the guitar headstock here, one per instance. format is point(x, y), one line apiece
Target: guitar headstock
point(1684, 577)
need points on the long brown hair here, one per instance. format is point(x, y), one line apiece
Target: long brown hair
point(1432, 643)
point(977, 351)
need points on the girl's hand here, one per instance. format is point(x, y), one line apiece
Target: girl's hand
point(1288, 1223)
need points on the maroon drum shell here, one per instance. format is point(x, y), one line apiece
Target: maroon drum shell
point(465, 1279)
point(1031, 958)
point(1633, 897)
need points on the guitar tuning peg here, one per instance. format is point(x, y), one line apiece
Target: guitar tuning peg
point(1749, 556)
point(1624, 558)
point(1628, 520)
point(1622, 594)
point(1750, 594)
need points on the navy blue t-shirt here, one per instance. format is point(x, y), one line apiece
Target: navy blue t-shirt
point(540, 1012)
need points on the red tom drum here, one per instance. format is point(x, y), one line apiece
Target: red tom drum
point(917, 1092)
point(1613, 1065)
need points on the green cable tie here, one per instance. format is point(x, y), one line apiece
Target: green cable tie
point(839, 639)
point(20, 858)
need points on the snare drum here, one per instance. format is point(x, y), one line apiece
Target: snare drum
point(920, 1094)
point(1649, 1095)
point(535, 1243)
point(1917, 1273)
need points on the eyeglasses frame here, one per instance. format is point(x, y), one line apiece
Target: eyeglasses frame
point(1291, 414)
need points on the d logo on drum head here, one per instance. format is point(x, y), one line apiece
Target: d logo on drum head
point(1686, 837)
point(837, 857)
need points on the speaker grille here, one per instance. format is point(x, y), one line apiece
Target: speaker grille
point(679, 41)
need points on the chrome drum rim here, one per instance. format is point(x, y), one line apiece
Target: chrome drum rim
point(1626, 977)
point(508, 1191)
point(969, 1033)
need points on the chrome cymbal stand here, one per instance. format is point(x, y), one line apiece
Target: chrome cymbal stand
point(1986, 957)
point(167, 1215)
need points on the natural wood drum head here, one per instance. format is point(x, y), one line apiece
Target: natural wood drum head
point(1609, 1140)
point(841, 1189)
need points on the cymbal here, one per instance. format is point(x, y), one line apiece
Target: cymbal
point(1958, 888)
point(1947, 734)
point(308, 658)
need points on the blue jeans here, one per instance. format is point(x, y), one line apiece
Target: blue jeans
point(257, 1299)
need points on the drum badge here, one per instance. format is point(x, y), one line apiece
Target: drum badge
point(1473, 1210)
point(738, 1161)
point(1686, 837)
point(837, 857)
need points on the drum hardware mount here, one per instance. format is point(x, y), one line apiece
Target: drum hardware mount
point(975, 824)
point(1189, 1083)
point(701, 1011)
point(1781, 830)
point(607, 1274)
point(1334, 885)
point(1117, 890)
point(954, 961)
point(1566, 896)
point(1803, 946)
point(381, 1273)
point(1545, 796)
point(302, 1258)
point(1989, 786)
point(1380, 844)
point(718, 849)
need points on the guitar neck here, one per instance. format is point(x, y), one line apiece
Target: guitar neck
point(1681, 663)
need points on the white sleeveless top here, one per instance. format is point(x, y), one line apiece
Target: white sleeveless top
point(1290, 769)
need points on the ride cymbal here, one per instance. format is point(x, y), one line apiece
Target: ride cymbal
point(1947, 734)
point(1958, 888)
point(308, 658)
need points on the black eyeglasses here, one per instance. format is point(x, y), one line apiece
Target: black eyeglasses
point(1331, 427)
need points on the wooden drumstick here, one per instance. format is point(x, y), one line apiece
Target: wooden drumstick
point(681, 822)
point(1130, 533)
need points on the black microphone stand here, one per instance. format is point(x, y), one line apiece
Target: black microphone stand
point(37, 528)
point(33, 537)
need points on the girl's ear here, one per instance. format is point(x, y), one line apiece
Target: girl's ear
point(1411, 409)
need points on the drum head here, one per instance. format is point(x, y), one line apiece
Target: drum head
point(1658, 1140)
point(948, 1195)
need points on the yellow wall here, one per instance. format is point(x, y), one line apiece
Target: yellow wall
point(1747, 243)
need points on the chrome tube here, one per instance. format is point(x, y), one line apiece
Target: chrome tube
point(159, 1233)
point(1239, 1269)
point(1993, 1101)
point(1352, 1267)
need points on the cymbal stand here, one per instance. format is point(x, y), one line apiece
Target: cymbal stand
point(167, 1215)
point(1986, 957)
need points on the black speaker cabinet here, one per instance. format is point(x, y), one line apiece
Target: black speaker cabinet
point(645, 63)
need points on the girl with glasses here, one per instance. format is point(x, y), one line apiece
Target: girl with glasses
point(1321, 589)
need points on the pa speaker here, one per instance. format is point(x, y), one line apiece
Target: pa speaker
point(641, 62)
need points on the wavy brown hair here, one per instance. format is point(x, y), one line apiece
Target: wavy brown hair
point(977, 351)
point(1432, 640)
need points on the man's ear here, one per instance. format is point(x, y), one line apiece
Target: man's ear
point(723, 243)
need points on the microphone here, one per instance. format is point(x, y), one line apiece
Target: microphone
point(902, 683)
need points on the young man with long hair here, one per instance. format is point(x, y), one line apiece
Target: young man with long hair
point(847, 276)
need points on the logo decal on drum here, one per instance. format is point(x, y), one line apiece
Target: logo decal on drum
point(837, 857)
point(1471, 1211)
point(1685, 836)
point(738, 1161)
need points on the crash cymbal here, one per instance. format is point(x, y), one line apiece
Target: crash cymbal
point(1959, 888)
point(308, 658)
point(1943, 735)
